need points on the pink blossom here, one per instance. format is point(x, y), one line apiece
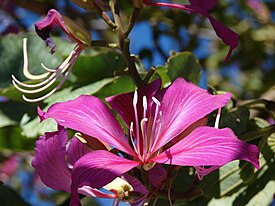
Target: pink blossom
point(154, 118)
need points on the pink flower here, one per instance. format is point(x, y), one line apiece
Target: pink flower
point(202, 7)
point(154, 118)
point(55, 158)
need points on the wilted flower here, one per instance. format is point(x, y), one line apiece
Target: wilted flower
point(154, 118)
point(228, 36)
point(43, 29)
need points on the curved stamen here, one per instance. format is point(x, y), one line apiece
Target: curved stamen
point(64, 67)
point(47, 69)
point(51, 80)
point(65, 62)
point(32, 85)
point(26, 65)
point(52, 91)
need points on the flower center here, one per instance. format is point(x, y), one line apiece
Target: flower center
point(144, 132)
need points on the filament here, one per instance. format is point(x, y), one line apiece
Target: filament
point(144, 106)
point(47, 79)
point(26, 64)
point(143, 133)
point(132, 139)
point(217, 121)
point(135, 100)
point(156, 120)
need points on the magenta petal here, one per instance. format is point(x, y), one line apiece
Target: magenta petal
point(89, 115)
point(53, 17)
point(96, 169)
point(45, 26)
point(208, 146)
point(123, 103)
point(49, 160)
point(228, 36)
point(76, 150)
point(183, 104)
point(205, 5)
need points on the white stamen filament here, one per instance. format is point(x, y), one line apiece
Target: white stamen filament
point(26, 64)
point(135, 100)
point(53, 90)
point(46, 68)
point(48, 78)
point(143, 133)
point(144, 106)
point(153, 136)
point(217, 121)
point(157, 132)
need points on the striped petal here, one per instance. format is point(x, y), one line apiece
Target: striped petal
point(89, 115)
point(182, 105)
point(49, 160)
point(208, 146)
point(76, 150)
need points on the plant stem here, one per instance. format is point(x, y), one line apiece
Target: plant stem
point(124, 45)
point(132, 21)
point(107, 19)
point(131, 64)
point(118, 23)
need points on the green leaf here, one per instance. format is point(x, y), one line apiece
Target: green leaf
point(102, 89)
point(237, 120)
point(11, 138)
point(68, 93)
point(221, 182)
point(5, 120)
point(9, 197)
point(185, 65)
point(161, 71)
point(97, 65)
point(117, 86)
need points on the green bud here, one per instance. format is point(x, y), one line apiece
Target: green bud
point(77, 31)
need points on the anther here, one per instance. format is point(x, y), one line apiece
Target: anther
point(156, 101)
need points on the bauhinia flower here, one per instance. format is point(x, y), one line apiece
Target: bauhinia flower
point(43, 29)
point(55, 157)
point(228, 36)
point(154, 118)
